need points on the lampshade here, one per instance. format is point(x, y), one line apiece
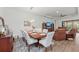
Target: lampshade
point(3, 29)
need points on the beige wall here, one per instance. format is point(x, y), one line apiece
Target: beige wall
point(14, 18)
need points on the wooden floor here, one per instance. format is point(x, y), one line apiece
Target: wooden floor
point(65, 46)
point(59, 46)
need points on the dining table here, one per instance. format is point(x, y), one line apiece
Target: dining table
point(37, 35)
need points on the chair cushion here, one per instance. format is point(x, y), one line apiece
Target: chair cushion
point(31, 41)
point(47, 41)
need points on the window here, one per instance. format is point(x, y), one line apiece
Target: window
point(71, 24)
point(68, 25)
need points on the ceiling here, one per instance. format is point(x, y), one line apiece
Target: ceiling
point(52, 11)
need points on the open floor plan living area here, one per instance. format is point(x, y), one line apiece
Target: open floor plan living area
point(39, 29)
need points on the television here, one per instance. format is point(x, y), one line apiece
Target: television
point(49, 24)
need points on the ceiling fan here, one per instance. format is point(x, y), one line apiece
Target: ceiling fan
point(62, 15)
point(31, 8)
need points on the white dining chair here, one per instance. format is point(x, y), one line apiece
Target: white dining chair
point(37, 30)
point(45, 31)
point(47, 41)
point(29, 41)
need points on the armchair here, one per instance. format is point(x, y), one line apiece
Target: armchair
point(60, 34)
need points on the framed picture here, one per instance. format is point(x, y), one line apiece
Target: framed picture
point(27, 23)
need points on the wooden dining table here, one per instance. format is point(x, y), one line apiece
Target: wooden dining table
point(37, 36)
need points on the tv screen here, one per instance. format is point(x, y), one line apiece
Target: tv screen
point(48, 24)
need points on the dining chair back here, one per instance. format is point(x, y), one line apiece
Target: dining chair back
point(29, 41)
point(37, 30)
point(45, 30)
point(47, 41)
point(24, 36)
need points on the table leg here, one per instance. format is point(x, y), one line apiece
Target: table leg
point(37, 44)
